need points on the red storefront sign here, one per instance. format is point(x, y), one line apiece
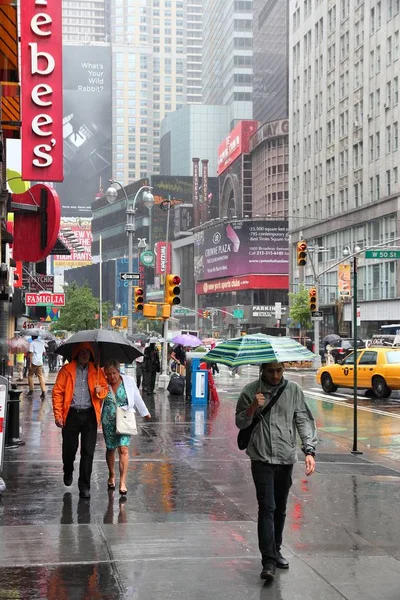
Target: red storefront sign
point(163, 260)
point(243, 282)
point(41, 90)
point(44, 299)
point(237, 143)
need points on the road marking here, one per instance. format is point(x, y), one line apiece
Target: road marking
point(334, 400)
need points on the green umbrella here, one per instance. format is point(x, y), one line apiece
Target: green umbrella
point(257, 349)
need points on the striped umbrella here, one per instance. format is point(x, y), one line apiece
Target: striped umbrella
point(257, 349)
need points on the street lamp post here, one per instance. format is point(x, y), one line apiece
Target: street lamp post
point(347, 252)
point(148, 198)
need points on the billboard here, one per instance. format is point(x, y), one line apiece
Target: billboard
point(86, 127)
point(242, 248)
point(344, 281)
point(41, 91)
point(237, 143)
point(82, 230)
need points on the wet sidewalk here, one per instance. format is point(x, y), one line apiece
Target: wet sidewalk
point(187, 529)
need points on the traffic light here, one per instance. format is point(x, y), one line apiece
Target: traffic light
point(206, 314)
point(138, 299)
point(150, 310)
point(172, 290)
point(301, 253)
point(312, 299)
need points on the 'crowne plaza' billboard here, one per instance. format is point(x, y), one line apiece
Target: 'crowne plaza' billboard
point(242, 248)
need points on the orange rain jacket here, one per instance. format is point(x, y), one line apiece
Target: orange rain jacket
point(63, 389)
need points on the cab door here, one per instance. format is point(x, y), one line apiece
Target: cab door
point(366, 368)
point(346, 372)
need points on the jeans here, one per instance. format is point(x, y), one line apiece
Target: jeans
point(85, 424)
point(273, 483)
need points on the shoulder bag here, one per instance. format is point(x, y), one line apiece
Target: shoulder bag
point(244, 435)
point(125, 421)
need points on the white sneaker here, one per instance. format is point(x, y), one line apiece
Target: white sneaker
point(237, 375)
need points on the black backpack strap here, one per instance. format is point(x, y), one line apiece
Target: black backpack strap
point(274, 400)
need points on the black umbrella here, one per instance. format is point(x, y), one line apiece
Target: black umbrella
point(106, 344)
point(331, 338)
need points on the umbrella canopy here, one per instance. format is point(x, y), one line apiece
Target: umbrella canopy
point(138, 337)
point(106, 344)
point(186, 339)
point(331, 337)
point(42, 333)
point(18, 345)
point(257, 349)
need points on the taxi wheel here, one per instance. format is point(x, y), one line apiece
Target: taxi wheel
point(379, 387)
point(327, 384)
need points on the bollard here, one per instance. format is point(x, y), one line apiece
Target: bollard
point(12, 425)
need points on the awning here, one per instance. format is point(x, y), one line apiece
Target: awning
point(60, 248)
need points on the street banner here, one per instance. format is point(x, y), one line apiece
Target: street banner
point(344, 281)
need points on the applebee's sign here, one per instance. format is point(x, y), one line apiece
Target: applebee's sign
point(41, 90)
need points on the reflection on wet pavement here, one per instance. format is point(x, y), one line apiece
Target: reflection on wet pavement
point(187, 528)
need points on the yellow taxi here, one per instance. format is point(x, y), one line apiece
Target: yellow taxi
point(378, 369)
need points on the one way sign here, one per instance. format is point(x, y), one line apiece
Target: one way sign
point(130, 276)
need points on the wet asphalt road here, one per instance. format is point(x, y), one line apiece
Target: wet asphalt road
point(187, 528)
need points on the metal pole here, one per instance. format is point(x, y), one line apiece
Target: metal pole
point(101, 281)
point(164, 366)
point(150, 240)
point(317, 360)
point(355, 293)
point(130, 228)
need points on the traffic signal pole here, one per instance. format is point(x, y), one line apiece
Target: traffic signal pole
point(317, 359)
point(163, 378)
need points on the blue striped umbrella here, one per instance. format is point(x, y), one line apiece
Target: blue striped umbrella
point(257, 349)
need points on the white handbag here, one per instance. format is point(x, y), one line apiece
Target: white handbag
point(125, 421)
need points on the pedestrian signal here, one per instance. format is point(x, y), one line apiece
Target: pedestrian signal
point(312, 299)
point(172, 290)
point(138, 299)
point(301, 253)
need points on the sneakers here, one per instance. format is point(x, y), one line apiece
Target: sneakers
point(281, 562)
point(268, 571)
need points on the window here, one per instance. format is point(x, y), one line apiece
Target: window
point(395, 91)
point(396, 45)
point(344, 45)
point(377, 187)
point(331, 57)
point(377, 145)
point(343, 123)
point(378, 59)
point(369, 357)
point(371, 147)
point(358, 73)
point(388, 93)
point(344, 159)
point(371, 189)
point(372, 63)
point(358, 194)
point(344, 9)
point(388, 139)
point(331, 132)
point(388, 188)
point(395, 136)
point(389, 46)
point(358, 155)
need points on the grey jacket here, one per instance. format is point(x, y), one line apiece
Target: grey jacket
point(273, 440)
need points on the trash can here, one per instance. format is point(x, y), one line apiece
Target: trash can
point(12, 424)
point(199, 382)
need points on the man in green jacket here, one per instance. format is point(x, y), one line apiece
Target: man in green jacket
point(272, 449)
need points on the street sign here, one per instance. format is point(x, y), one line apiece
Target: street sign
point(317, 318)
point(129, 276)
point(147, 258)
point(41, 283)
point(238, 313)
point(382, 253)
point(44, 299)
point(317, 313)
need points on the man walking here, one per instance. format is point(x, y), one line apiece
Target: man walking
point(36, 350)
point(151, 366)
point(77, 395)
point(272, 449)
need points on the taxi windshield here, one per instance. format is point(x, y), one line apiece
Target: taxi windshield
point(393, 358)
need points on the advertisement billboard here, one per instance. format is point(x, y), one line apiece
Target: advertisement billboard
point(242, 248)
point(237, 143)
point(41, 91)
point(344, 281)
point(81, 228)
point(86, 127)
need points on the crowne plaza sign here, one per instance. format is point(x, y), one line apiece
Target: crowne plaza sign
point(41, 90)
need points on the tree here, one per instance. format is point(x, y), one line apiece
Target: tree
point(81, 310)
point(299, 309)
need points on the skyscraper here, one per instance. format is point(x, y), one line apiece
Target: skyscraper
point(344, 145)
point(228, 56)
point(194, 51)
point(86, 21)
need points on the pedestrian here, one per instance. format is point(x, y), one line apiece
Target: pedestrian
point(151, 366)
point(77, 397)
point(139, 365)
point(122, 391)
point(20, 358)
point(272, 450)
point(235, 372)
point(178, 355)
point(27, 364)
point(36, 350)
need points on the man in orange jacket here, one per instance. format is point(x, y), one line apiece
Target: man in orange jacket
point(77, 398)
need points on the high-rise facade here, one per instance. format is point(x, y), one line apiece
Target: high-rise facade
point(270, 60)
point(151, 69)
point(228, 56)
point(86, 21)
point(344, 147)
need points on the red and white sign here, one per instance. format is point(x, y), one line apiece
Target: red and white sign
point(243, 282)
point(41, 90)
point(44, 299)
point(81, 227)
point(237, 143)
point(163, 260)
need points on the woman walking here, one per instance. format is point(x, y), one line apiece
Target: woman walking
point(123, 392)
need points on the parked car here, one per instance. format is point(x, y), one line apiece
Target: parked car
point(343, 347)
point(378, 369)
